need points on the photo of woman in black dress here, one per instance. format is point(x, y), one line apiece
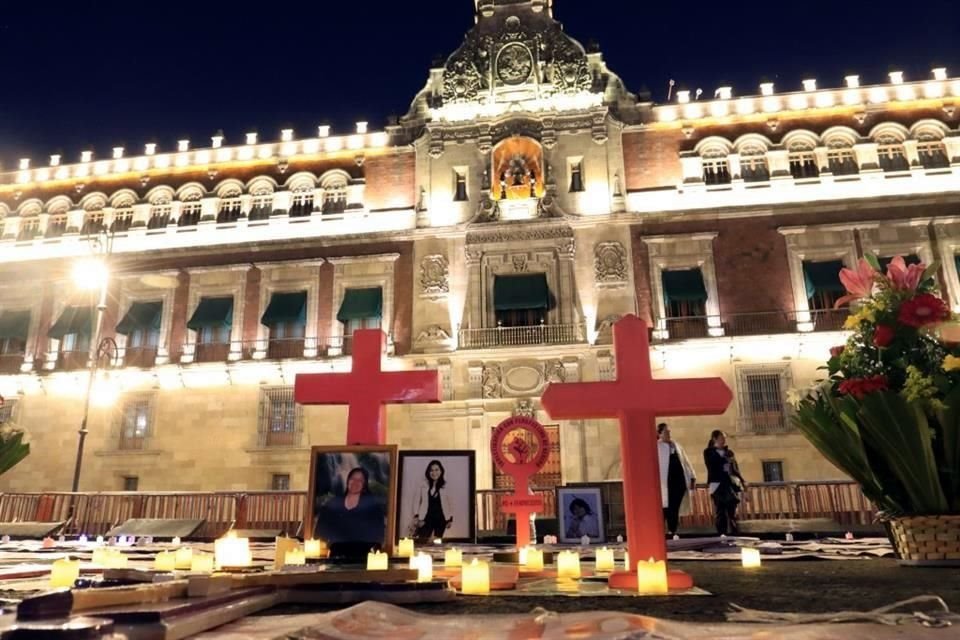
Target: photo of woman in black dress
point(432, 509)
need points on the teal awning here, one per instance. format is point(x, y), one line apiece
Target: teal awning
point(73, 320)
point(286, 307)
point(822, 276)
point(359, 304)
point(520, 292)
point(14, 324)
point(683, 285)
point(142, 315)
point(212, 312)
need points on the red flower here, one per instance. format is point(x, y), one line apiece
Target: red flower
point(836, 352)
point(883, 335)
point(922, 310)
point(859, 387)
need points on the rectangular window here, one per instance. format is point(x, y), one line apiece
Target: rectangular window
point(522, 300)
point(29, 228)
point(822, 282)
point(280, 419)
point(933, 154)
point(576, 175)
point(842, 161)
point(262, 207)
point(361, 309)
point(190, 214)
point(753, 168)
point(892, 157)
point(460, 184)
point(302, 204)
point(136, 417)
point(122, 220)
point(56, 225)
point(159, 216)
point(92, 223)
point(760, 393)
point(772, 471)
point(716, 171)
point(335, 198)
point(280, 482)
point(230, 210)
point(131, 483)
point(803, 164)
point(8, 411)
point(685, 303)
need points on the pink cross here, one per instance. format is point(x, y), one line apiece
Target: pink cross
point(367, 390)
point(636, 400)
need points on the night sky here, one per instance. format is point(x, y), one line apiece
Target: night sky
point(80, 74)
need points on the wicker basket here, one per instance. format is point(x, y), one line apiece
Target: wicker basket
point(926, 541)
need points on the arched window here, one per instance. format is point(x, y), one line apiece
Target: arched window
point(753, 163)
point(891, 153)
point(190, 212)
point(517, 169)
point(122, 217)
point(335, 196)
point(230, 208)
point(803, 160)
point(57, 222)
point(841, 158)
point(932, 151)
point(302, 203)
point(716, 166)
point(29, 222)
point(262, 201)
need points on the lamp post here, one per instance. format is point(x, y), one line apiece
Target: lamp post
point(93, 274)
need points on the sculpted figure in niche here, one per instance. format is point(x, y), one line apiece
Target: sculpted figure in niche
point(491, 381)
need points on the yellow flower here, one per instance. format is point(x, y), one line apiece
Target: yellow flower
point(951, 363)
point(853, 322)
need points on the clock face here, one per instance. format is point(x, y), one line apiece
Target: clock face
point(514, 64)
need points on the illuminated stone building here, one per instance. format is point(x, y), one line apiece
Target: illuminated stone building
point(525, 202)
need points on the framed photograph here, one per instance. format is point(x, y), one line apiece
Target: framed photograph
point(580, 513)
point(351, 502)
point(437, 498)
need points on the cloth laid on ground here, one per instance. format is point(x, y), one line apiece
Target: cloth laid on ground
point(375, 620)
point(826, 549)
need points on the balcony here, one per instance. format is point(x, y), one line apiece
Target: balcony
point(143, 357)
point(522, 336)
point(211, 352)
point(276, 349)
point(11, 362)
point(753, 324)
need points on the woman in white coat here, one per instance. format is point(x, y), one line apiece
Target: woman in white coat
point(432, 509)
point(676, 479)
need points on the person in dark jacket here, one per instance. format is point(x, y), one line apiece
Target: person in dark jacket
point(724, 482)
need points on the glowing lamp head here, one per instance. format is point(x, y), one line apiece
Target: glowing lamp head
point(940, 73)
point(896, 77)
point(117, 153)
point(853, 82)
point(766, 89)
point(90, 274)
point(183, 145)
point(810, 84)
point(286, 135)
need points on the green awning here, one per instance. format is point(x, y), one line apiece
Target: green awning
point(822, 277)
point(142, 315)
point(683, 285)
point(520, 292)
point(286, 307)
point(14, 324)
point(212, 312)
point(73, 320)
point(359, 304)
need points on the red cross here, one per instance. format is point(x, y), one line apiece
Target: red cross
point(636, 400)
point(367, 390)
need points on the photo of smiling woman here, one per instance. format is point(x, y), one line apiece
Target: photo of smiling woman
point(436, 496)
point(352, 502)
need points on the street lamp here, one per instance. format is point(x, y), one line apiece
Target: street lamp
point(93, 274)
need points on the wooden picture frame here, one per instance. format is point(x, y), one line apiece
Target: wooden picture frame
point(459, 494)
point(328, 512)
point(593, 497)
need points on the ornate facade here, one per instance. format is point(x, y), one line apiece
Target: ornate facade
point(496, 232)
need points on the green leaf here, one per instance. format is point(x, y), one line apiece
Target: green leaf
point(872, 261)
point(930, 271)
point(12, 451)
point(948, 417)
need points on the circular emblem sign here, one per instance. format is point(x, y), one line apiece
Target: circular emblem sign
point(514, 64)
point(518, 455)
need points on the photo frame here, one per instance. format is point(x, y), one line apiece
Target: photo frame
point(579, 513)
point(452, 511)
point(351, 499)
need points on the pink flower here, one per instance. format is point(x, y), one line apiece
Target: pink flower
point(859, 282)
point(923, 310)
point(836, 352)
point(903, 277)
point(883, 335)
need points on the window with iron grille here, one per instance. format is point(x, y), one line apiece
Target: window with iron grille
point(131, 483)
point(761, 394)
point(190, 214)
point(9, 412)
point(280, 419)
point(842, 161)
point(136, 422)
point(772, 470)
point(280, 482)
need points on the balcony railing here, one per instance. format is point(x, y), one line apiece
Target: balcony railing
point(521, 336)
point(143, 357)
point(11, 362)
point(73, 360)
point(211, 351)
point(276, 349)
point(752, 324)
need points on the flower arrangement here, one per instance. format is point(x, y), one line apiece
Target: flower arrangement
point(12, 447)
point(889, 413)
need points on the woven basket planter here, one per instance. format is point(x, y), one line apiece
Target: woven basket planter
point(926, 541)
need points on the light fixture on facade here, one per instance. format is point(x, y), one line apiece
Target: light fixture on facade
point(286, 135)
point(853, 82)
point(896, 77)
point(150, 148)
point(683, 97)
point(24, 164)
point(361, 127)
point(251, 138)
point(940, 73)
point(183, 145)
point(323, 131)
point(86, 156)
point(55, 160)
point(724, 93)
point(810, 84)
point(766, 88)
point(90, 274)
point(216, 141)
point(117, 153)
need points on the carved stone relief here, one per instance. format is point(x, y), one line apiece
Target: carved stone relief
point(435, 275)
point(519, 262)
point(610, 263)
point(433, 337)
point(524, 409)
point(491, 381)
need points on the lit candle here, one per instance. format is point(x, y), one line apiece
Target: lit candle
point(231, 551)
point(176, 541)
point(202, 563)
point(522, 555)
point(568, 564)
point(164, 561)
point(82, 539)
point(48, 543)
point(116, 560)
point(605, 559)
point(626, 560)
point(314, 548)
point(750, 558)
point(184, 558)
point(296, 557)
point(101, 556)
point(438, 541)
point(405, 548)
point(376, 561)
point(424, 568)
point(64, 573)
point(475, 577)
point(453, 558)
point(534, 559)
point(652, 577)
point(281, 546)
point(99, 539)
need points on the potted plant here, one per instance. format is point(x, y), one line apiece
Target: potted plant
point(888, 415)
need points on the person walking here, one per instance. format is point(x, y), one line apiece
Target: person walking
point(724, 481)
point(676, 479)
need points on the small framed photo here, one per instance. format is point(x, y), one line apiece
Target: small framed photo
point(351, 501)
point(580, 513)
point(437, 498)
